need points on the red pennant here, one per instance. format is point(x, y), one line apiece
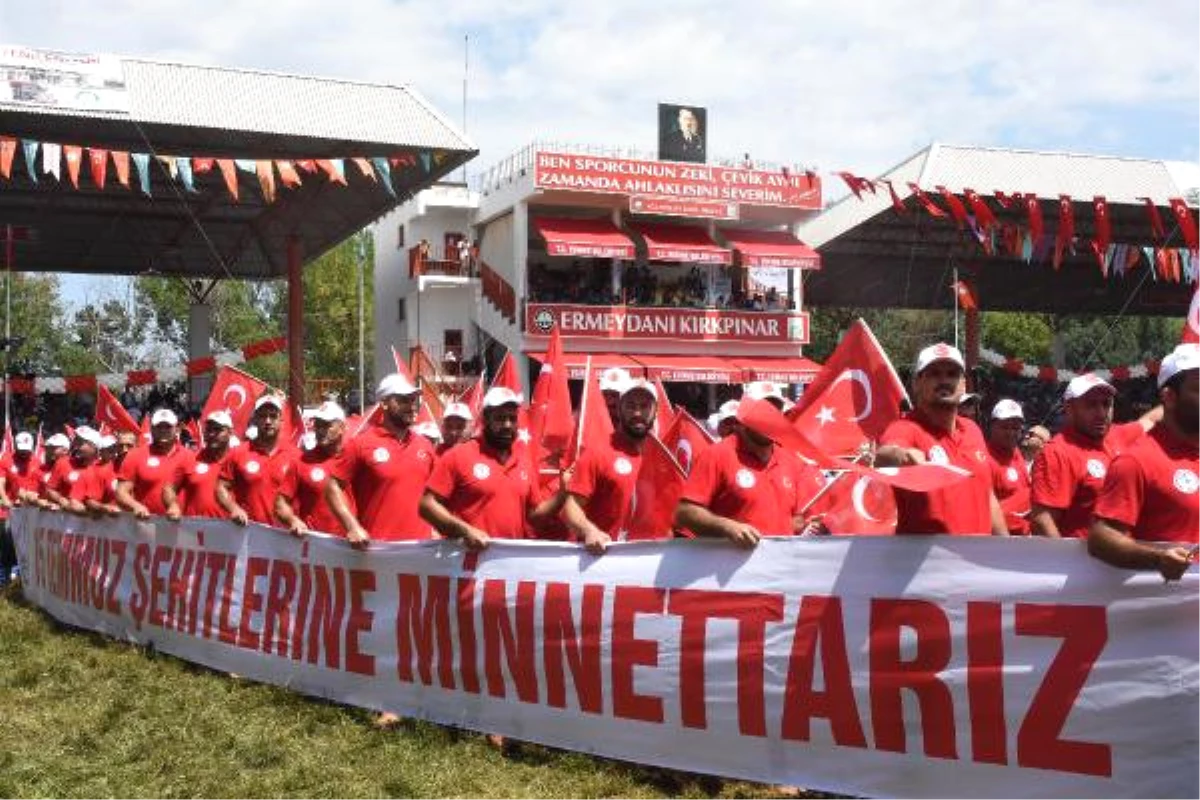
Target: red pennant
point(1162, 267)
point(1098, 252)
point(288, 174)
point(1033, 208)
point(307, 164)
point(110, 411)
point(8, 149)
point(1103, 223)
point(983, 214)
point(202, 166)
point(472, 397)
point(74, 156)
point(99, 162)
point(957, 209)
point(897, 203)
point(1187, 225)
point(229, 173)
point(121, 162)
point(266, 179)
point(931, 208)
point(664, 413)
point(856, 184)
point(966, 297)
point(1005, 200)
point(327, 166)
point(1156, 223)
point(1066, 229)
point(594, 427)
point(364, 166)
point(506, 375)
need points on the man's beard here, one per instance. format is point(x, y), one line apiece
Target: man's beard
point(637, 436)
point(499, 441)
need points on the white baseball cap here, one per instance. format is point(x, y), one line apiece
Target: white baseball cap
point(328, 411)
point(500, 396)
point(614, 379)
point(429, 430)
point(460, 410)
point(269, 399)
point(58, 440)
point(939, 352)
point(220, 417)
point(107, 442)
point(1007, 409)
point(1181, 359)
point(395, 384)
point(712, 422)
point(727, 410)
point(639, 383)
point(23, 441)
point(763, 390)
point(1082, 384)
point(164, 415)
point(88, 434)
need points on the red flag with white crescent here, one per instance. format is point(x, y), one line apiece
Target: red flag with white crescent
point(1066, 229)
point(1033, 208)
point(1191, 326)
point(686, 439)
point(109, 411)
point(234, 391)
point(854, 397)
point(1187, 225)
point(664, 412)
point(594, 428)
point(659, 486)
point(857, 504)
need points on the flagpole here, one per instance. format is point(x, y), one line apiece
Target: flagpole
point(587, 376)
point(956, 306)
point(8, 259)
point(829, 484)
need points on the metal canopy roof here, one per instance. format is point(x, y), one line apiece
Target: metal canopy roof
point(875, 257)
point(196, 111)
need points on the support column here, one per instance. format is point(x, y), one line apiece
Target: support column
point(295, 321)
point(199, 335)
point(972, 354)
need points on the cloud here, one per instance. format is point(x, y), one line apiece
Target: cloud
point(854, 85)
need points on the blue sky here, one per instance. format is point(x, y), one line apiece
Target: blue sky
point(856, 86)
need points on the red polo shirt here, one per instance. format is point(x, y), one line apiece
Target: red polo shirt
point(104, 482)
point(387, 476)
point(606, 479)
point(1070, 471)
point(73, 480)
point(731, 482)
point(20, 476)
point(195, 484)
point(149, 472)
point(303, 485)
point(485, 493)
point(1153, 488)
point(255, 476)
point(1010, 482)
point(965, 507)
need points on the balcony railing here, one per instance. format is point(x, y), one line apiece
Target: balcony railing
point(429, 260)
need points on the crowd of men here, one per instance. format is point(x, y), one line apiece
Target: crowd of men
point(1122, 487)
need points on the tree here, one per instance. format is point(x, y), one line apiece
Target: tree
point(331, 312)
point(1025, 336)
point(38, 321)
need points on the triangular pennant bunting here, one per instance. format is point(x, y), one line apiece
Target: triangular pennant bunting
point(121, 162)
point(385, 174)
point(98, 159)
point(74, 155)
point(52, 159)
point(142, 162)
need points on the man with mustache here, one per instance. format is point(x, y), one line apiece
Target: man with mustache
point(600, 504)
point(193, 490)
point(251, 474)
point(481, 489)
point(934, 432)
point(147, 469)
point(300, 504)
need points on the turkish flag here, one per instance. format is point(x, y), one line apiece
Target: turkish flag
point(859, 505)
point(957, 209)
point(550, 411)
point(1191, 326)
point(506, 375)
point(234, 391)
point(1187, 225)
point(966, 298)
point(686, 439)
point(1066, 229)
point(659, 485)
point(664, 412)
point(109, 411)
point(854, 397)
point(595, 427)
point(1037, 225)
point(473, 397)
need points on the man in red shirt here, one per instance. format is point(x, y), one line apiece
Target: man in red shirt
point(599, 507)
point(455, 423)
point(385, 468)
point(71, 481)
point(251, 474)
point(192, 491)
point(612, 381)
point(1070, 471)
point(1010, 476)
point(1152, 490)
point(55, 448)
point(747, 486)
point(24, 475)
point(147, 469)
point(102, 498)
point(300, 504)
point(933, 432)
point(9, 495)
point(481, 490)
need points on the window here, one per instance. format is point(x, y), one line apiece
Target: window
point(400, 236)
point(403, 315)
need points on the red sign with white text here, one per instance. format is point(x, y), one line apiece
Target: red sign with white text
point(679, 207)
point(686, 324)
point(668, 179)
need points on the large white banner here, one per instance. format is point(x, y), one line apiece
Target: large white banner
point(58, 79)
point(921, 666)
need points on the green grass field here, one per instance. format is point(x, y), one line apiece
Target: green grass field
point(85, 716)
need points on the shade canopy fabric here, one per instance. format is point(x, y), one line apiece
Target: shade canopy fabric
point(593, 237)
point(771, 249)
point(683, 243)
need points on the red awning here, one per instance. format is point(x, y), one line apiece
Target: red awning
point(779, 370)
point(595, 237)
point(702, 369)
point(577, 363)
point(684, 243)
point(771, 249)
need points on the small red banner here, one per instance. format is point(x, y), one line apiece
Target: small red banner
point(681, 207)
point(682, 324)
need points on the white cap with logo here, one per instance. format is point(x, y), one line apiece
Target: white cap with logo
point(460, 410)
point(220, 417)
point(164, 416)
point(614, 379)
point(1007, 409)
point(394, 384)
point(269, 399)
point(639, 383)
point(1181, 359)
point(23, 442)
point(328, 411)
point(429, 430)
point(1082, 384)
point(763, 390)
point(500, 396)
point(107, 442)
point(88, 434)
point(58, 440)
point(728, 410)
point(938, 352)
